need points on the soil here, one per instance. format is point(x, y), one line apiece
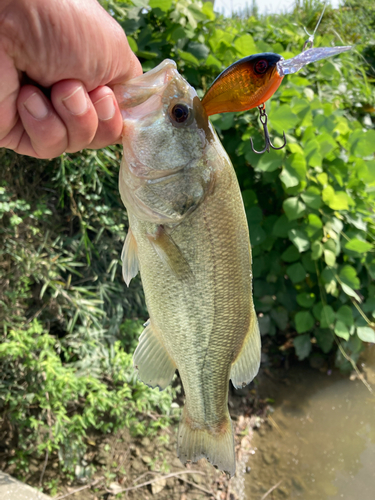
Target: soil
point(117, 462)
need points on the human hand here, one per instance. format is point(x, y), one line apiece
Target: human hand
point(77, 51)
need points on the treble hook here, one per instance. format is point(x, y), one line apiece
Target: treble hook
point(263, 118)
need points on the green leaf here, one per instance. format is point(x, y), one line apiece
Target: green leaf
point(284, 119)
point(280, 317)
point(249, 198)
point(306, 299)
point(281, 227)
point(254, 215)
point(312, 153)
point(294, 208)
point(302, 345)
point(312, 198)
point(212, 61)
point(329, 257)
point(345, 315)
point(288, 176)
point(349, 291)
point(316, 250)
point(304, 321)
point(299, 239)
point(296, 272)
point(327, 317)
point(294, 170)
point(365, 145)
point(132, 44)
point(317, 310)
point(291, 254)
point(199, 50)
point(189, 58)
point(341, 330)
point(366, 333)
point(164, 5)
point(257, 234)
point(269, 162)
point(324, 339)
point(337, 200)
point(245, 45)
point(359, 246)
point(208, 11)
point(348, 275)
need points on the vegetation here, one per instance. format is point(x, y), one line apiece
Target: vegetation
point(70, 324)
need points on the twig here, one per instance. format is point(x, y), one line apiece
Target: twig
point(197, 486)
point(271, 490)
point(355, 367)
point(43, 470)
point(49, 422)
point(172, 474)
point(275, 425)
point(94, 483)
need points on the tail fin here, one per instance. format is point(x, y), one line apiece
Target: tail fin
point(195, 442)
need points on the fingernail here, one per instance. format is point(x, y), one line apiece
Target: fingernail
point(36, 106)
point(76, 103)
point(105, 108)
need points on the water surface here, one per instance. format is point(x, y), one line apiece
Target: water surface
point(321, 442)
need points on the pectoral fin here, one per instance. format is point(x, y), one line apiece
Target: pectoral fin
point(129, 257)
point(170, 254)
point(155, 366)
point(247, 363)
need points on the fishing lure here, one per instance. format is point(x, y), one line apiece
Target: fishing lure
point(251, 81)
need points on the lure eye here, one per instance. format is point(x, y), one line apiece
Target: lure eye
point(261, 67)
point(180, 113)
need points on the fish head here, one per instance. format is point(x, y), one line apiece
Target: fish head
point(166, 131)
point(245, 84)
point(165, 126)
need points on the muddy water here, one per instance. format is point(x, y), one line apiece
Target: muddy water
point(320, 441)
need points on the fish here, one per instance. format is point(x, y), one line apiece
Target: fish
point(189, 239)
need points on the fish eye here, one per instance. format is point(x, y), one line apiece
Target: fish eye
point(261, 67)
point(180, 113)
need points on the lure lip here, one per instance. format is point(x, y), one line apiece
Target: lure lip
point(289, 66)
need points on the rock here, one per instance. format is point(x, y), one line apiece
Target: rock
point(299, 484)
point(283, 490)
point(158, 486)
point(145, 442)
point(177, 463)
point(137, 466)
point(115, 488)
point(146, 459)
point(267, 458)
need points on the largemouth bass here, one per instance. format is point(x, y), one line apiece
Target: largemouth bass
point(189, 239)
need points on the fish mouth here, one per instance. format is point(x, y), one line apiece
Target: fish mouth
point(289, 66)
point(145, 91)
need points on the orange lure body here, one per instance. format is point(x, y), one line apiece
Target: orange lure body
point(244, 85)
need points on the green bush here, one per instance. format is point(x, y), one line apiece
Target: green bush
point(310, 206)
point(53, 403)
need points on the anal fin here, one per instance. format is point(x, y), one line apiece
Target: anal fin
point(152, 361)
point(246, 366)
point(129, 257)
point(170, 254)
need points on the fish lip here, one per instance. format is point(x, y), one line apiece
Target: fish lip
point(289, 66)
